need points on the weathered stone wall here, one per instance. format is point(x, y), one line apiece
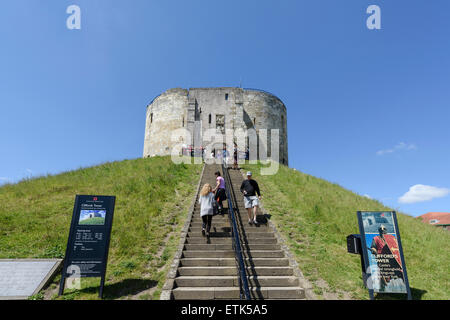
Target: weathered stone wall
point(265, 111)
point(198, 109)
point(164, 115)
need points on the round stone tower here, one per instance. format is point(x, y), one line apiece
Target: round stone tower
point(223, 110)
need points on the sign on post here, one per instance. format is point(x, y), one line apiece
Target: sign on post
point(382, 253)
point(88, 243)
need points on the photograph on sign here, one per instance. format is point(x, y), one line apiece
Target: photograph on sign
point(92, 217)
point(385, 265)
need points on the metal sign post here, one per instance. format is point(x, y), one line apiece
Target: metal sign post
point(89, 236)
point(380, 247)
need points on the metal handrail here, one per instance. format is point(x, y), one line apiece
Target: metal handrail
point(242, 273)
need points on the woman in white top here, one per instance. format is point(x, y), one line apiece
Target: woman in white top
point(206, 201)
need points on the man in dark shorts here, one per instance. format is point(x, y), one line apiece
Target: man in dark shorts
point(250, 188)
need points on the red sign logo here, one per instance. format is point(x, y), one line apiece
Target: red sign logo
point(95, 198)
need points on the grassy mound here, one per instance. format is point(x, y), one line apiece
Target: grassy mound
point(153, 196)
point(152, 199)
point(315, 216)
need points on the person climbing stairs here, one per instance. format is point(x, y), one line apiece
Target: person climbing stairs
point(208, 267)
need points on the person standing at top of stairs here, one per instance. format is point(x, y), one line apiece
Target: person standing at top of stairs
point(219, 190)
point(250, 188)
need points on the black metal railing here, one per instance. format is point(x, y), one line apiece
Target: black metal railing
point(242, 272)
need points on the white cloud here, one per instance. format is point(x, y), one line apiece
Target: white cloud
point(401, 146)
point(367, 196)
point(421, 193)
point(4, 179)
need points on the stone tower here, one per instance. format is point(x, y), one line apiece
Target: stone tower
point(222, 110)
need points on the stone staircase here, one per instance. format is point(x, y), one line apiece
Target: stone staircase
point(269, 273)
point(208, 269)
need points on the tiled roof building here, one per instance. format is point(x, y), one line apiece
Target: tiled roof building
point(440, 219)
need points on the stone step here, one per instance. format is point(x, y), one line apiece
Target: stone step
point(263, 254)
point(252, 228)
point(242, 232)
point(215, 219)
point(278, 293)
point(197, 218)
point(270, 271)
point(213, 234)
point(207, 281)
point(217, 240)
point(207, 271)
point(258, 234)
point(197, 215)
point(196, 212)
point(266, 262)
point(233, 281)
point(227, 235)
point(209, 293)
point(195, 262)
point(214, 227)
point(218, 224)
point(232, 270)
point(205, 293)
point(260, 262)
point(231, 254)
point(248, 233)
point(198, 228)
point(207, 247)
point(208, 254)
point(213, 247)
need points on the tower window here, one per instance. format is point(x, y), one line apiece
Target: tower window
point(209, 118)
point(220, 123)
point(183, 121)
point(151, 117)
point(226, 96)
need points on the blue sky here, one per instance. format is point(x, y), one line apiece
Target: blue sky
point(367, 109)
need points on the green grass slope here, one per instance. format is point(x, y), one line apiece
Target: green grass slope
point(315, 216)
point(153, 196)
